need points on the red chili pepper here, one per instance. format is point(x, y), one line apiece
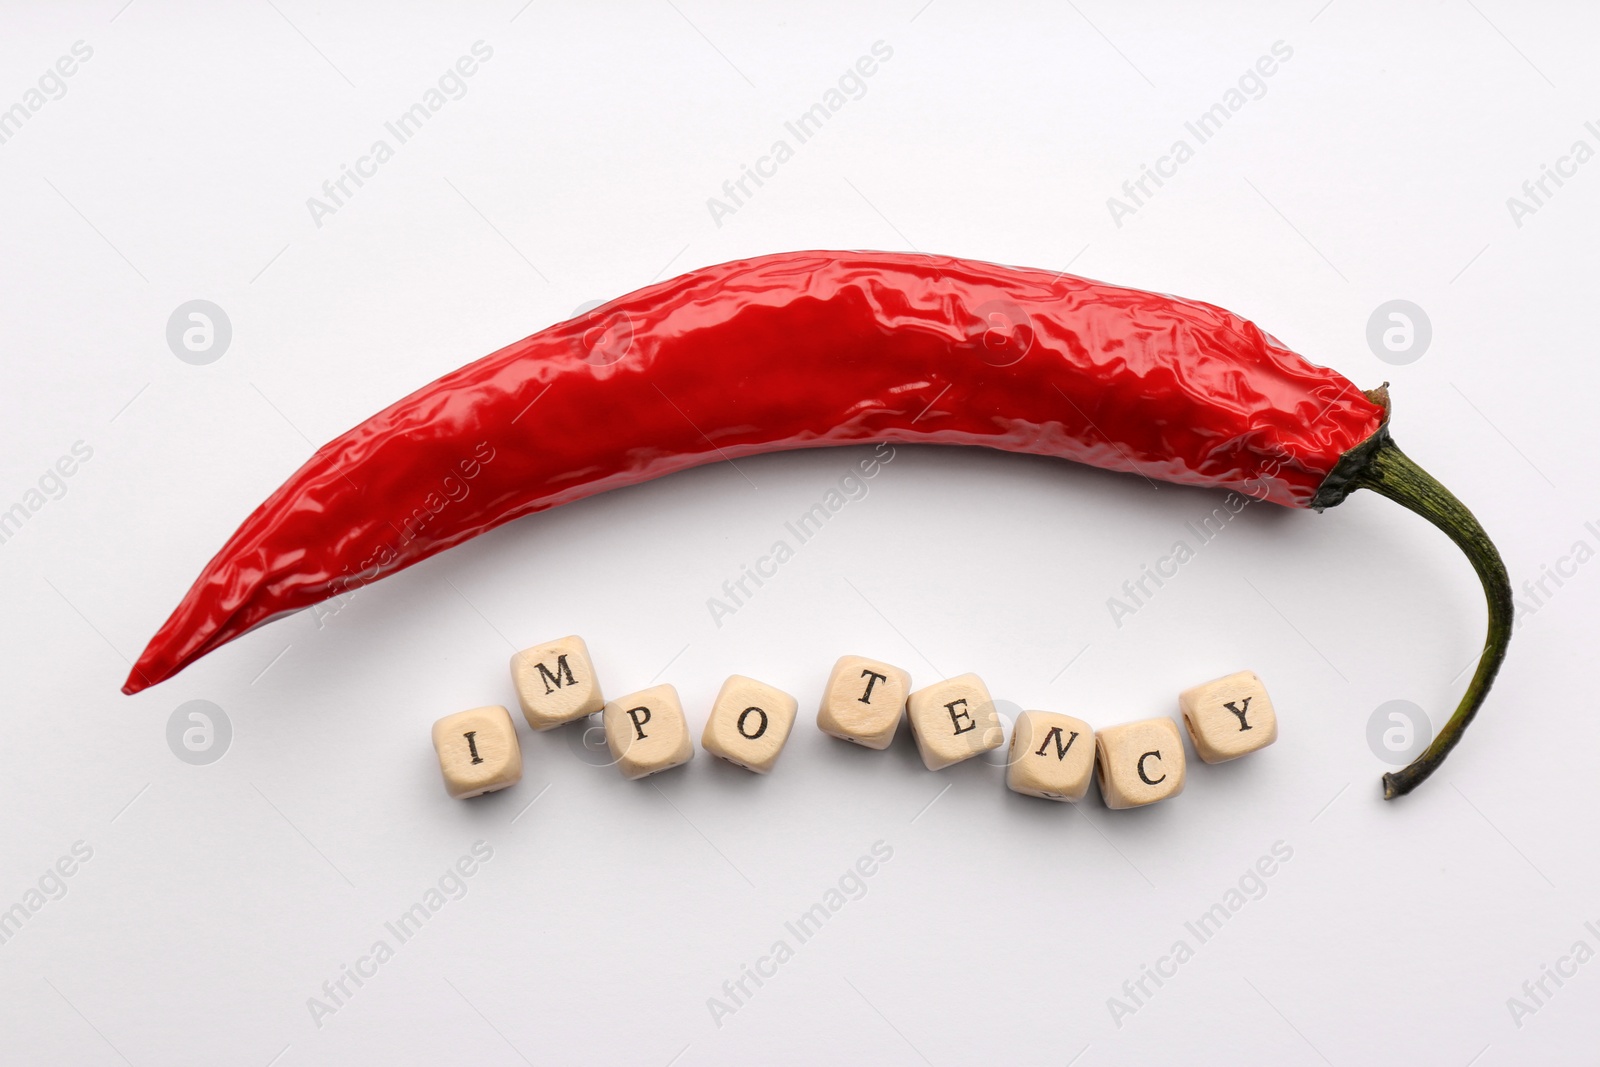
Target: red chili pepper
point(821, 348)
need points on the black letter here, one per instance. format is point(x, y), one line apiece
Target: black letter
point(472, 744)
point(872, 678)
point(760, 730)
point(1145, 777)
point(561, 666)
point(1239, 713)
point(957, 716)
point(638, 723)
point(1061, 750)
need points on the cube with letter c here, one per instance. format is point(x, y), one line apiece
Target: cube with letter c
point(1139, 763)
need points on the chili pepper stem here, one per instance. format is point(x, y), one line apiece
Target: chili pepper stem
point(1390, 472)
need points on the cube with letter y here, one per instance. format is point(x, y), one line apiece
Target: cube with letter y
point(954, 720)
point(1230, 717)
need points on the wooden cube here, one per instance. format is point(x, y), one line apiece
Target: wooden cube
point(863, 701)
point(1139, 763)
point(954, 720)
point(478, 751)
point(749, 723)
point(1229, 717)
point(556, 683)
point(1052, 756)
point(646, 732)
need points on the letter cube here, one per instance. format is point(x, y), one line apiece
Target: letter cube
point(646, 732)
point(749, 723)
point(1230, 717)
point(1052, 756)
point(556, 683)
point(1139, 763)
point(954, 720)
point(864, 701)
point(478, 751)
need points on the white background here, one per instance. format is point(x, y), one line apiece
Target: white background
point(577, 167)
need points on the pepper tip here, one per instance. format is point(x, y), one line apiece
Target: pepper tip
point(137, 681)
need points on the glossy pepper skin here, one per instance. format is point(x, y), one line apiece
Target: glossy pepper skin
point(795, 350)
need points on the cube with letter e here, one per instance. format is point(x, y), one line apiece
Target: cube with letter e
point(954, 720)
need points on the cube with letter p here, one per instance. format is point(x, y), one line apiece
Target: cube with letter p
point(646, 732)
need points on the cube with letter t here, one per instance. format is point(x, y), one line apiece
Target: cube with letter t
point(864, 701)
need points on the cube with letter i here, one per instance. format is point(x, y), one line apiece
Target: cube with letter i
point(478, 751)
point(1230, 717)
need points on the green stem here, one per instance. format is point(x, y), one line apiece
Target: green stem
point(1390, 472)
